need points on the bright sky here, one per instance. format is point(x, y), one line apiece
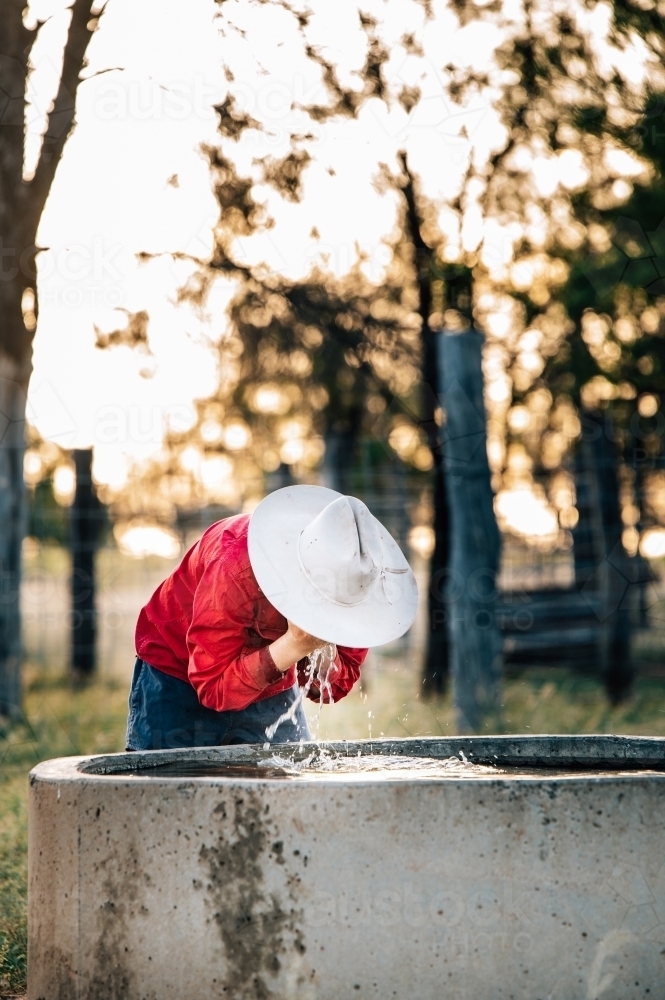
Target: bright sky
point(141, 124)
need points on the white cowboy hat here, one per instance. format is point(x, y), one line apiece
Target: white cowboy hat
point(326, 563)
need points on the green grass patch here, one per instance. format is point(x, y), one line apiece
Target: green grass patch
point(540, 700)
point(58, 720)
point(13, 886)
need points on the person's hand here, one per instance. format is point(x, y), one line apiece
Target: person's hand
point(307, 643)
point(293, 646)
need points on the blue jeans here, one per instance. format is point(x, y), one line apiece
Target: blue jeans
point(165, 713)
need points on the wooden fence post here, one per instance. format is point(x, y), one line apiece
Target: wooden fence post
point(608, 572)
point(471, 590)
point(84, 532)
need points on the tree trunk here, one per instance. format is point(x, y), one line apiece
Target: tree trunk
point(476, 655)
point(17, 274)
point(435, 665)
point(341, 444)
point(21, 205)
point(17, 237)
point(333, 472)
point(588, 544)
point(13, 512)
point(279, 479)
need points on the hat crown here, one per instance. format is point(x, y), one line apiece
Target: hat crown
point(341, 553)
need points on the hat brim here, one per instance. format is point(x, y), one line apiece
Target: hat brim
point(274, 531)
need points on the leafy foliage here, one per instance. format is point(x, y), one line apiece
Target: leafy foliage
point(564, 150)
point(614, 358)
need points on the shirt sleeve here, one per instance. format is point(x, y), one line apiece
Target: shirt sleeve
point(348, 663)
point(226, 671)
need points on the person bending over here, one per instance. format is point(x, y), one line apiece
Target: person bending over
point(223, 646)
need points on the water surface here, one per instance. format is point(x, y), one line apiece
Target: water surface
point(322, 764)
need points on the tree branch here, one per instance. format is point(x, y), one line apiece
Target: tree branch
point(100, 72)
point(61, 116)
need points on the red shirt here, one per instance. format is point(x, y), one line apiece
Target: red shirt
point(210, 624)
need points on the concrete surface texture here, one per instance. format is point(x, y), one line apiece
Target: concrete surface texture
point(523, 884)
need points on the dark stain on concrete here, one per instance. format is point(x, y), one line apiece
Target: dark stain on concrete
point(113, 976)
point(259, 929)
point(61, 975)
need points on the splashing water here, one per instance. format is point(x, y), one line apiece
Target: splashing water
point(322, 655)
point(326, 761)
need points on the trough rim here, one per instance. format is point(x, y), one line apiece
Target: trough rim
point(568, 757)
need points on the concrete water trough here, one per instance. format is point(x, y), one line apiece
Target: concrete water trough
point(536, 871)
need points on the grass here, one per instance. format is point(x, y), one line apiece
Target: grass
point(60, 720)
point(13, 886)
point(538, 700)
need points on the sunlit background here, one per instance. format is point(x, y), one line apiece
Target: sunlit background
point(134, 182)
point(133, 218)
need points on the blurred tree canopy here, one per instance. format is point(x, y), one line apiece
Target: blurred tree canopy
point(613, 358)
point(572, 311)
point(306, 366)
point(309, 364)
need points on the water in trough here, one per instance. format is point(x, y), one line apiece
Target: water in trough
point(322, 763)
